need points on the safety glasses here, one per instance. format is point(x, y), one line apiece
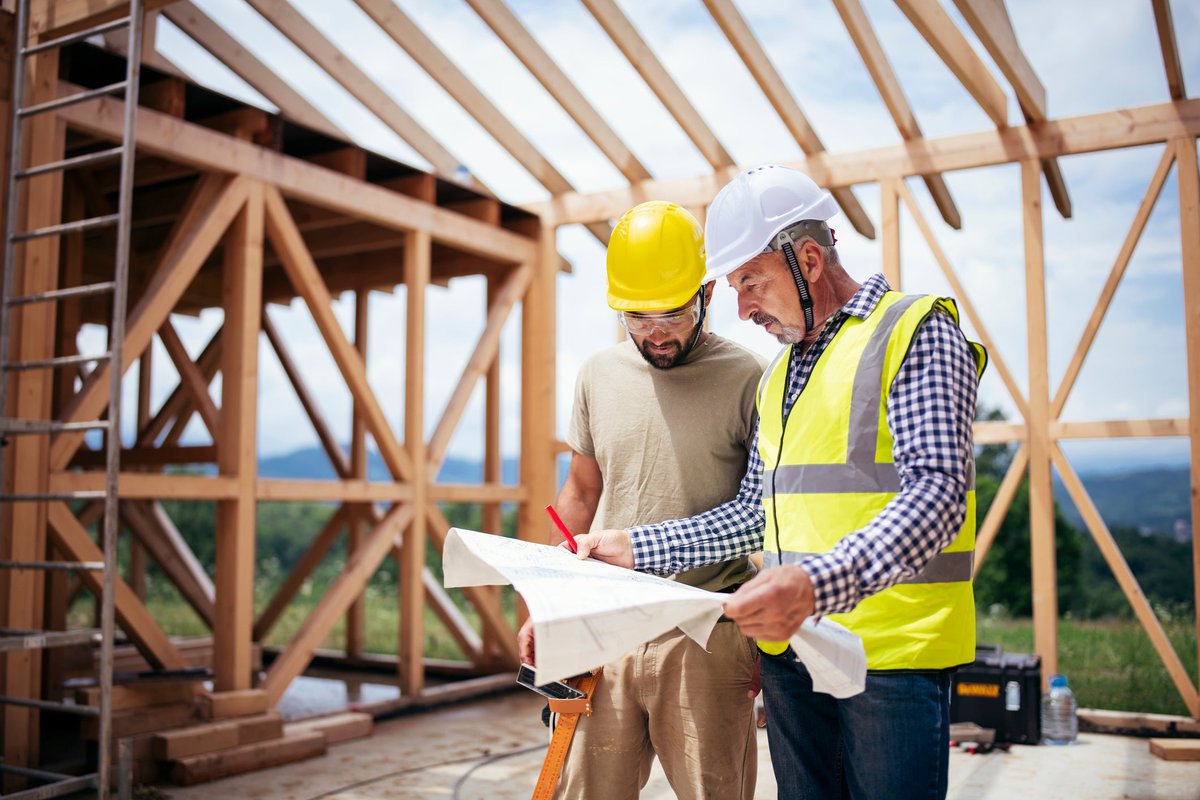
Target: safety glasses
point(675, 321)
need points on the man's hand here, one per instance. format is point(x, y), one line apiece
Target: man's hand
point(525, 645)
point(771, 606)
point(612, 546)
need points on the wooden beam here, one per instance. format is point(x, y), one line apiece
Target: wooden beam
point(303, 273)
point(137, 622)
point(773, 86)
point(306, 36)
point(230, 52)
point(1189, 223)
point(356, 622)
point(477, 493)
point(199, 147)
point(491, 514)
point(1000, 505)
point(479, 363)
point(411, 636)
point(237, 457)
point(157, 534)
point(213, 206)
point(889, 202)
point(991, 24)
point(1110, 130)
point(333, 604)
point(1041, 490)
point(1128, 582)
point(63, 16)
point(933, 23)
point(1119, 428)
point(148, 485)
point(345, 491)
point(525, 47)
point(337, 456)
point(1114, 280)
point(880, 69)
point(625, 36)
point(452, 619)
point(960, 294)
point(1165, 25)
point(178, 403)
point(190, 376)
point(313, 555)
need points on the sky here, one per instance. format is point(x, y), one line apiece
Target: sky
point(1090, 56)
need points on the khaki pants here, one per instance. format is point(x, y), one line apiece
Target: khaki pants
point(672, 699)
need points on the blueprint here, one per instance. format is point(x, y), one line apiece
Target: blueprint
point(586, 613)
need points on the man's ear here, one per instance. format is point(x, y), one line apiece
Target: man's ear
point(708, 290)
point(812, 261)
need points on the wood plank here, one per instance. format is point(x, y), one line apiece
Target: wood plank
point(235, 703)
point(1089, 133)
point(1176, 749)
point(237, 456)
point(884, 77)
point(312, 556)
point(1041, 496)
point(214, 205)
point(1134, 235)
point(356, 621)
point(190, 376)
point(247, 758)
point(1165, 25)
point(347, 491)
point(194, 740)
point(478, 493)
point(411, 636)
point(491, 514)
point(134, 721)
point(148, 485)
point(1118, 428)
point(153, 529)
point(933, 23)
point(336, 727)
point(230, 52)
point(306, 36)
point(57, 17)
point(307, 279)
point(198, 147)
point(539, 63)
point(481, 360)
point(333, 604)
point(134, 618)
point(138, 695)
point(889, 201)
point(1128, 583)
point(625, 36)
point(759, 64)
point(1189, 223)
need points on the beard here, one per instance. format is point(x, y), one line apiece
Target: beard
point(663, 359)
point(787, 334)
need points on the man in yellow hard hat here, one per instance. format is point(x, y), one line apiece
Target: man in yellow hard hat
point(661, 426)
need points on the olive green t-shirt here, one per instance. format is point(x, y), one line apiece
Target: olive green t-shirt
point(670, 443)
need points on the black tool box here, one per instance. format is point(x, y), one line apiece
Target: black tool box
point(1001, 691)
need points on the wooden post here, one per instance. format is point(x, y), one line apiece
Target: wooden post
point(889, 200)
point(356, 617)
point(417, 254)
point(1189, 224)
point(236, 446)
point(492, 518)
point(537, 392)
point(1041, 497)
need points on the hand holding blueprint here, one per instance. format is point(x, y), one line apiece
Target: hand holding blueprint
point(587, 613)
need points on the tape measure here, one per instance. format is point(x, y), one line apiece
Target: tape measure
point(569, 712)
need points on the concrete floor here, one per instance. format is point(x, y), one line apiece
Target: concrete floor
point(493, 748)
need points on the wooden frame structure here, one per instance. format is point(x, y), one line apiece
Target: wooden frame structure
point(241, 209)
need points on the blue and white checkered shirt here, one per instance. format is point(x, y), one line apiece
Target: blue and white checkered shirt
point(929, 411)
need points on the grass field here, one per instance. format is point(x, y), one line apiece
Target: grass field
point(1110, 663)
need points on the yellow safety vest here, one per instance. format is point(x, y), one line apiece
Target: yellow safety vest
point(828, 471)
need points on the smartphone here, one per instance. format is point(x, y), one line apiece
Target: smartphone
point(555, 690)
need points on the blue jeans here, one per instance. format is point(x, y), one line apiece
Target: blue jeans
point(892, 741)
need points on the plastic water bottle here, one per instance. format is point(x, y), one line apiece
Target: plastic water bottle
point(1059, 724)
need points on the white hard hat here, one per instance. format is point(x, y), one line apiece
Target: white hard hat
point(750, 210)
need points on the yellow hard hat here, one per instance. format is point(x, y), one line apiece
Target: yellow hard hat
point(655, 258)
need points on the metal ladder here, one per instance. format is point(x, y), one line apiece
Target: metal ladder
point(56, 784)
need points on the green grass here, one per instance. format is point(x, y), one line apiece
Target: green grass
point(1110, 663)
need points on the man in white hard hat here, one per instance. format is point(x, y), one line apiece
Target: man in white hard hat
point(860, 490)
point(662, 426)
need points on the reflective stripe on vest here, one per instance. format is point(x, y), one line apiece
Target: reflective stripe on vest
point(829, 471)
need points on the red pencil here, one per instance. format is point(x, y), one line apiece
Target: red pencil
point(558, 521)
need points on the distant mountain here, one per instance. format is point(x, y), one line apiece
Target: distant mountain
point(1149, 500)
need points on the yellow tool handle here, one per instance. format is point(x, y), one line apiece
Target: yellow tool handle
point(560, 742)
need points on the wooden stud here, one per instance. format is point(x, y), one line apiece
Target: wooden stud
point(1117, 428)
point(889, 201)
point(491, 515)
point(775, 89)
point(1128, 583)
point(1041, 490)
point(166, 95)
point(356, 621)
point(190, 376)
point(177, 403)
point(412, 562)
point(478, 493)
point(1170, 50)
point(1189, 223)
point(237, 458)
point(146, 485)
point(1000, 505)
point(1114, 280)
point(317, 548)
point(237, 703)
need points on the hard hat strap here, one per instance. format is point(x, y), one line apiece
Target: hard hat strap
point(806, 303)
point(699, 325)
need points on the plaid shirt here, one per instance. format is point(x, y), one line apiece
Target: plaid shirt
point(929, 411)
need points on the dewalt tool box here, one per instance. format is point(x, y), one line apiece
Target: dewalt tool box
point(1001, 691)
